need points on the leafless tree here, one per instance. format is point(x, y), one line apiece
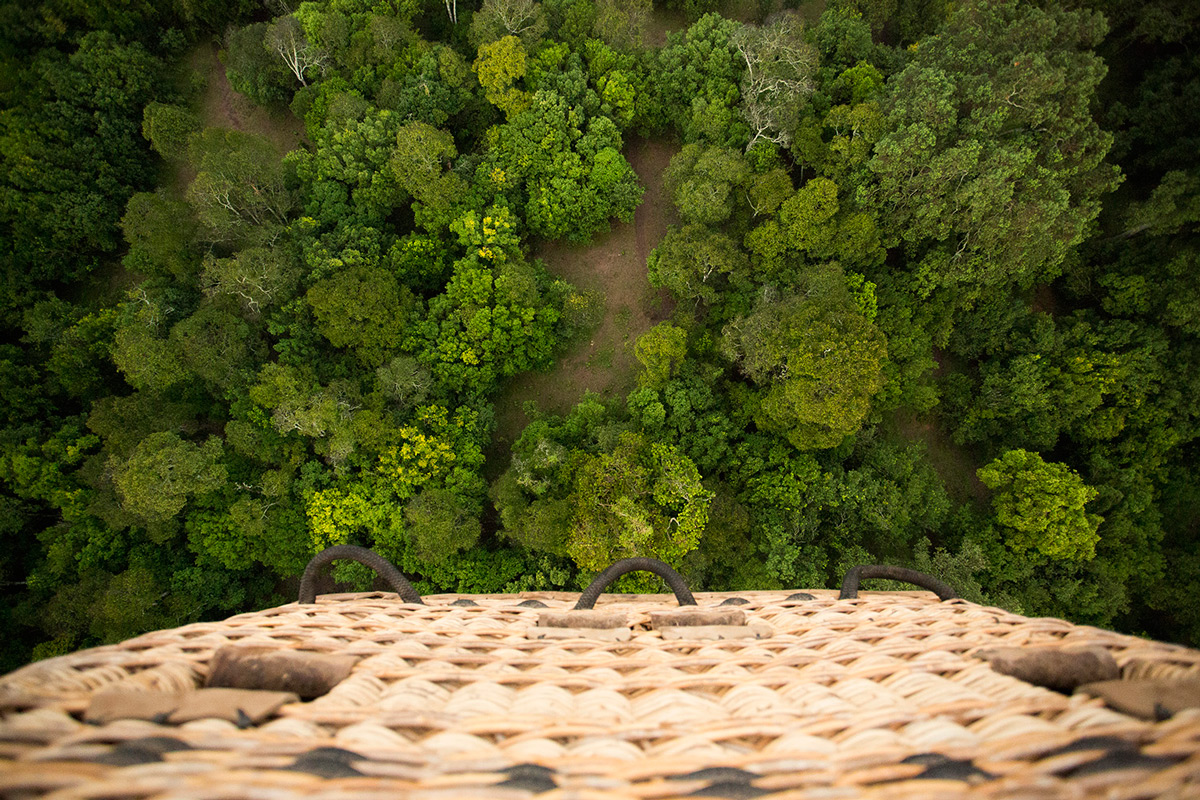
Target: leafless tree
point(779, 76)
point(498, 18)
point(285, 36)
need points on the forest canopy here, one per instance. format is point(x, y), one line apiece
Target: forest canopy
point(925, 294)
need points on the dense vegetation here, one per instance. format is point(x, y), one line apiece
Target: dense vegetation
point(935, 271)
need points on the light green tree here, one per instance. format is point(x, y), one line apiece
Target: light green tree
point(155, 482)
point(661, 351)
point(1042, 506)
point(499, 66)
point(641, 499)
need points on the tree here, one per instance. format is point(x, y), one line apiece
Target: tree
point(257, 277)
point(499, 66)
point(218, 346)
point(164, 470)
point(404, 380)
point(253, 68)
point(496, 19)
point(661, 351)
point(1041, 506)
point(642, 499)
point(780, 66)
point(70, 157)
point(168, 129)
point(159, 231)
point(490, 322)
point(285, 37)
point(362, 308)
point(440, 525)
point(419, 164)
point(622, 23)
point(239, 185)
point(702, 181)
point(817, 361)
point(569, 174)
point(691, 261)
point(348, 176)
point(141, 349)
point(992, 166)
point(814, 223)
point(699, 73)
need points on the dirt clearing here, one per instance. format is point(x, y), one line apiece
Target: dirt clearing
point(221, 107)
point(614, 264)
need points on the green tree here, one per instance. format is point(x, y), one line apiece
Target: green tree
point(160, 232)
point(661, 351)
point(70, 157)
point(253, 69)
point(569, 174)
point(818, 363)
point(239, 185)
point(141, 349)
point(992, 167)
point(362, 308)
point(622, 23)
point(440, 524)
point(691, 262)
point(348, 176)
point(703, 182)
point(491, 322)
point(779, 76)
point(257, 278)
point(699, 74)
point(641, 499)
point(168, 129)
point(218, 346)
point(163, 472)
point(499, 66)
point(1041, 506)
point(496, 19)
point(418, 163)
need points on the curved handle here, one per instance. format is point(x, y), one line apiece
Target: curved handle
point(383, 568)
point(851, 581)
point(662, 570)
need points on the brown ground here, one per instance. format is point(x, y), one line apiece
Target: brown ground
point(954, 463)
point(222, 107)
point(615, 264)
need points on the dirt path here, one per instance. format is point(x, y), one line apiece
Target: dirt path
point(221, 107)
point(615, 264)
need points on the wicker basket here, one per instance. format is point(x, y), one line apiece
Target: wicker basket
point(881, 696)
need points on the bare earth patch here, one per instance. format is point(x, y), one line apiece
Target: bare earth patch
point(222, 107)
point(954, 463)
point(615, 264)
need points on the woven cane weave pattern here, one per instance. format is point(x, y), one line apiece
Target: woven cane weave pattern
point(875, 697)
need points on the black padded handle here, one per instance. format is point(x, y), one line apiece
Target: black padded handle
point(383, 568)
point(860, 573)
point(662, 570)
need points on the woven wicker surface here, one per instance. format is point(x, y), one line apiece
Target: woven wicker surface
point(878, 697)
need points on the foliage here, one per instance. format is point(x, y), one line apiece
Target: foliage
point(72, 155)
point(1041, 506)
point(568, 173)
point(899, 262)
point(817, 364)
point(993, 167)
